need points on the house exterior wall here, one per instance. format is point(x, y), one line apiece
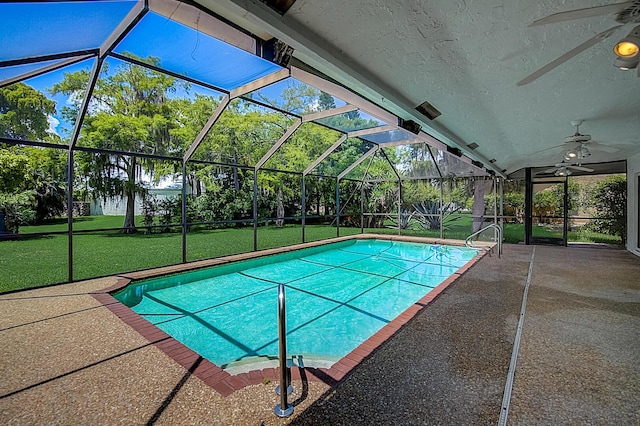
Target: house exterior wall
point(633, 206)
point(117, 206)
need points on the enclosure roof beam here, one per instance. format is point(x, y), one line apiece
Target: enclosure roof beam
point(279, 143)
point(167, 72)
point(45, 58)
point(260, 83)
point(328, 113)
point(403, 142)
point(133, 17)
point(212, 120)
point(435, 163)
point(346, 95)
point(358, 161)
point(373, 130)
point(93, 79)
point(393, 167)
point(45, 69)
point(201, 20)
point(235, 93)
point(324, 155)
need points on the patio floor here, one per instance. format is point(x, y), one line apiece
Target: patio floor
point(65, 358)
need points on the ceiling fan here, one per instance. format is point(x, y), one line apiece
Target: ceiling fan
point(564, 169)
point(626, 12)
point(579, 146)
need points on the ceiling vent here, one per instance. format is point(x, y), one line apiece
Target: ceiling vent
point(409, 125)
point(472, 146)
point(277, 51)
point(280, 6)
point(428, 110)
point(454, 151)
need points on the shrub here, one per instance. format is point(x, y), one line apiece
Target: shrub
point(609, 199)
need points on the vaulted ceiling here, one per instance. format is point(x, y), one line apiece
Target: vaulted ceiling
point(466, 58)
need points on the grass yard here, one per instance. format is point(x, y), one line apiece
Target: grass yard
point(36, 260)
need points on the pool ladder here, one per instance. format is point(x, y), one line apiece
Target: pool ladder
point(497, 235)
point(284, 409)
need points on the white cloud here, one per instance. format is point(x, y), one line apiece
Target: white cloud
point(53, 125)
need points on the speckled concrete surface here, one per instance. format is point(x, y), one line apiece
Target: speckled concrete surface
point(579, 358)
point(66, 360)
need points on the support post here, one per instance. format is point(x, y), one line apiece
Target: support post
point(255, 209)
point(362, 207)
point(399, 206)
point(184, 212)
point(565, 212)
point(501, 203)
point(70, 210)
point(495, 200)
point(304, 206)
point(528, 206)
point(337, 207)
point(284, 409)
point(441, 212)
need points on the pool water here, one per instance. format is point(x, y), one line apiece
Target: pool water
point(337, 296)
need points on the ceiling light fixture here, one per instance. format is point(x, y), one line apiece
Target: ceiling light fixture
point(628, 50)
point(584, 152)
point(562, 171)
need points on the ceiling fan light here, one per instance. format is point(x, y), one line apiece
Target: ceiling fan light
point(626, 49)
point(629, 47)
point(584, 152)
point(570, 154)
point(627, 63)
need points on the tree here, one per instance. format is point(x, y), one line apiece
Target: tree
point(24, 112)
point(31, 178)
point(609, 198)
point(480, 189)
point(131, 111)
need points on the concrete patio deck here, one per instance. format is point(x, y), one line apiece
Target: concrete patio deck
point(65, 358)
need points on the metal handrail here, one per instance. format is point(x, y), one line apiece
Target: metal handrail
point(284, 409)
point(496, 230)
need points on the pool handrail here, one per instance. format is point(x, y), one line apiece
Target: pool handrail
point(497, 235)
point(284, 409)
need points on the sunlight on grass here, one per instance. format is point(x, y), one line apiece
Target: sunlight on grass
point(40, 260)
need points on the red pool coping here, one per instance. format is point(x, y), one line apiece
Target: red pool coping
point(225, 383)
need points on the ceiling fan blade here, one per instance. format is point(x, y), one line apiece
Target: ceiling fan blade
point(582, 13)
point(582, 169)
point(557, 147)
point(602, 147)
point(570, 54)
point(544, 172)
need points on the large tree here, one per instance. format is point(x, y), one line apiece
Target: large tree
point(132, 110)
point(24, 112)
point(31, 178)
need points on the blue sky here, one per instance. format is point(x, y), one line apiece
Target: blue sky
point(45, 28)
point(36, 29)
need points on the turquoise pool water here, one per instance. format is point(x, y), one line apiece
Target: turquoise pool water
point(337, 296)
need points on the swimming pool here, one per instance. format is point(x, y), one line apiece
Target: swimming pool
point(338, 295)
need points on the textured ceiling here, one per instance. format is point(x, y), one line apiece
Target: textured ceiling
point(465, 58)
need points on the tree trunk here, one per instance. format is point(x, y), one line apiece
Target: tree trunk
point(236, 180)
point(129, 218)
point(480, 189)
point(130, 192)
point(280, 210)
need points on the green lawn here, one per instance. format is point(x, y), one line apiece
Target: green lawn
point(39, 260)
